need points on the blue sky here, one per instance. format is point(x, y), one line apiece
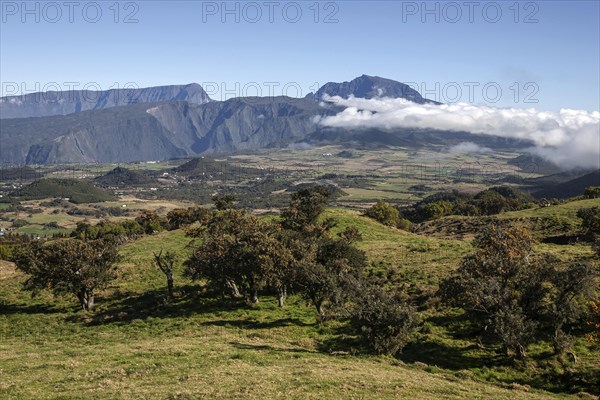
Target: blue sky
point(546, 55)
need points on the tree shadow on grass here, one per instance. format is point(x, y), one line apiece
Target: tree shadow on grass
point(6, 309)
point(342, 340)
point(253, 324)
point(446, 356)
point(457, 325)
point(264, 347)
point(574, 381)
point(123, 308)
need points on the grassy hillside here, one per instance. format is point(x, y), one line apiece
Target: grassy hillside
point(566, 210)
point(139, 345)
point(544, 221)
point(76, 190)
point(124, 177)
point(196, 348)
point(422, 258)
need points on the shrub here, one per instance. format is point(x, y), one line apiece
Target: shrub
point(592, 192)
point(384, 213)
point(515, 296)
point(180, 217)
point(151, 222)
point(19, 223)
point(388, 215)
point(590, 222)
point(385, 323)
point(6, 252)
point(435, 209)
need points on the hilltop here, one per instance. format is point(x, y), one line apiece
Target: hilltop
point(76, 191)
point(121, 176)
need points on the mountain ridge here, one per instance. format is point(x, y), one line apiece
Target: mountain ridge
point(144, 129)
point(45, 104)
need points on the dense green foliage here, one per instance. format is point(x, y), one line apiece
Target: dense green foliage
point(181, 217)
point(151, 222)
point(239, 255)
point(388, 215)
point(10, 242)
point(68, 266)
point(590, 222)
point(387, 323)
point(488, 202)
point(119, 232)
point(305, 207)
point(77, 191)
point(592, 192)
point(517, 297)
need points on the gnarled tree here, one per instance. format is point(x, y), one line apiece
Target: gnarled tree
point(518, 296)
point(489, 286)
point(166, 263)
point(69, 266)
point(241, 254)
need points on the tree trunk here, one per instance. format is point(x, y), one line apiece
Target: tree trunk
point(86, 299)
point(232, 288)
point(254, 296)
point(319, 306)
point(82, 301)
point(521, 351)
point(170, 285)
point(90, 301)
point(281, 295)
point(318, 303)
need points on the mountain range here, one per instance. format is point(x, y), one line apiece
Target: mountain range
point(173, 121)
point(44, 104)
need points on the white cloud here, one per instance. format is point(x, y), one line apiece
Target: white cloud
point(570, 138)
point(468, 148)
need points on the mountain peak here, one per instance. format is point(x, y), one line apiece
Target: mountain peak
point(368, 87)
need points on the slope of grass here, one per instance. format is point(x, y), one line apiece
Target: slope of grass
point(139, 344)
point(566, 210)
point(544, 221)
point(76, 190)
point(426, 259)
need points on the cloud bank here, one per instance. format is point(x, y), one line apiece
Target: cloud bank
point(569, 138)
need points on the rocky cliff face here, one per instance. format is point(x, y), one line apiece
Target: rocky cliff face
point(68, 102)
point(158, 131)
